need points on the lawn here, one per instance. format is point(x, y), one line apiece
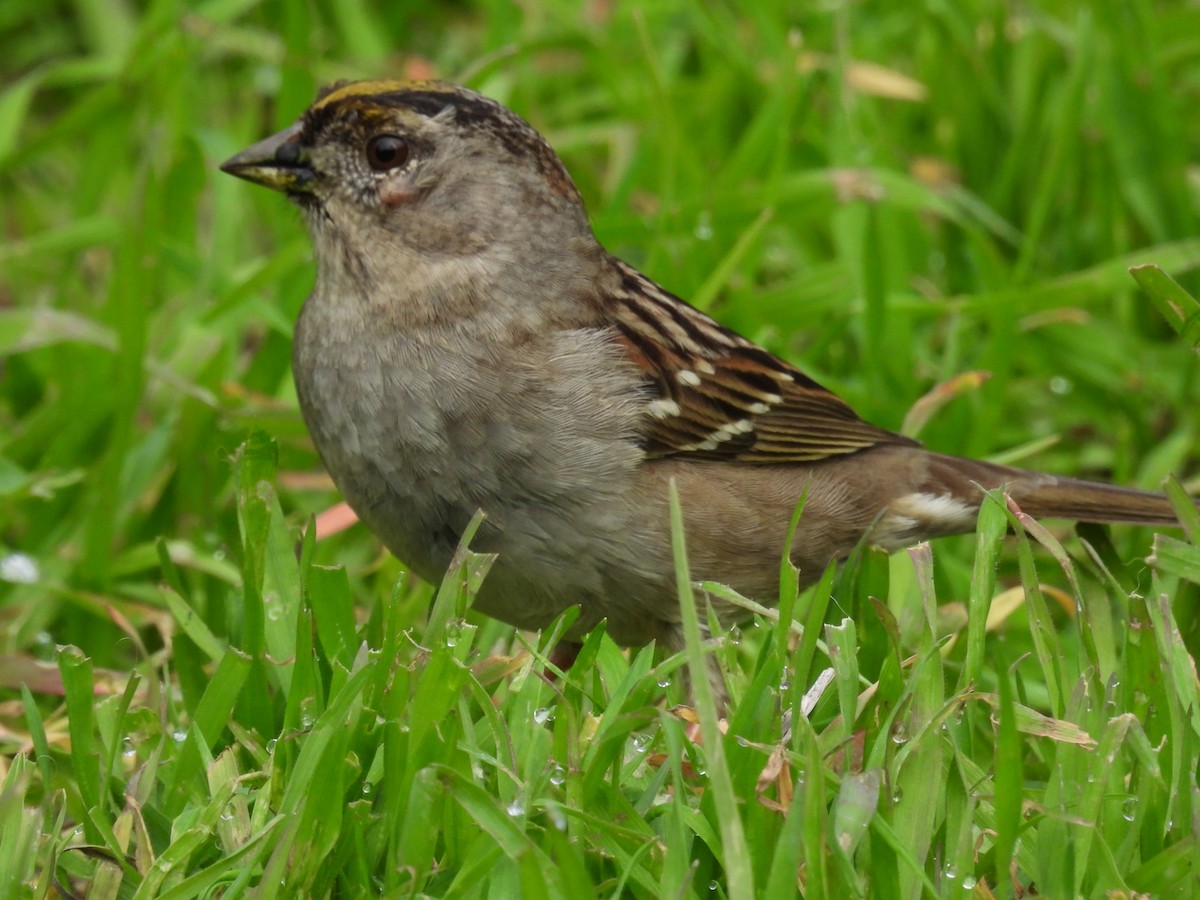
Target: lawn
point(933, 209)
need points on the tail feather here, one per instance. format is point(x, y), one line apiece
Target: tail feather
point(1090, 501)
point(1057, 497)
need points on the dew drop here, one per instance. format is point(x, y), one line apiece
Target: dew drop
point(19, 569)
point(44, 647)
point(558, 775)
point(1060, 385)
point(1129, 809)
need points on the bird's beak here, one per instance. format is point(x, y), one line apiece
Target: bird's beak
point(279, 162)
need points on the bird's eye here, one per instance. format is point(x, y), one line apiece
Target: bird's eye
point(386, 151)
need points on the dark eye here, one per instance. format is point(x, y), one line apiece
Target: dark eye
point(386, 151)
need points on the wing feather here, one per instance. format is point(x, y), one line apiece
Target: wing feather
point(713, 394)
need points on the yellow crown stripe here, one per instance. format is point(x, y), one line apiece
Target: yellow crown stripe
point(379, 86)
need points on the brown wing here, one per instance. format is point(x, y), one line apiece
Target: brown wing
point(716, 395)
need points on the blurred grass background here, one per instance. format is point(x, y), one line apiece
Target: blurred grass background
point(892, 196)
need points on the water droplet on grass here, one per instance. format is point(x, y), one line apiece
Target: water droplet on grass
point(19, 568)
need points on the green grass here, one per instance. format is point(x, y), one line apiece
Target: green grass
point(894, 196)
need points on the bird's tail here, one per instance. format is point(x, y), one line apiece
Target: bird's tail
point(1057, 497)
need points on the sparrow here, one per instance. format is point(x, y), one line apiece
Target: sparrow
point(469, 345)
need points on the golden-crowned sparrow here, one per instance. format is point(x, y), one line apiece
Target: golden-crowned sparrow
point(470, 345)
